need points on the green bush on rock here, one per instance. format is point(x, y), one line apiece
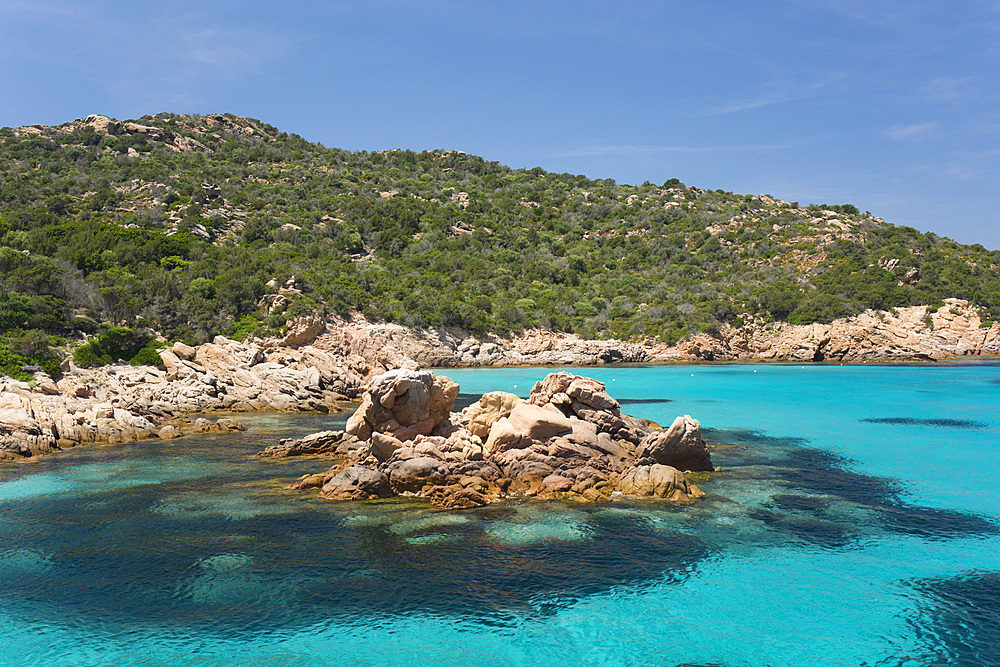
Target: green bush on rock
point(116, 344)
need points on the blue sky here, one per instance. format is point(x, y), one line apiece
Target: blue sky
point(891, 106)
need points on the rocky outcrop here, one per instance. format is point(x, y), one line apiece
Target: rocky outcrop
point(914, 333)
point(123, 403)
point(356, 483)
point(680, 445)
point(211, 124)
point(302, 331)
point(256, 375)
point(403, 403)
point(480, 416)
point(34, 421)
point(569, 439)
point(656, 480)
point(388, 346)
point(317, 364)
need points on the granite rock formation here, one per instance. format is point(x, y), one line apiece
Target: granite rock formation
point(569, 439)
point(915, 333)
point(123, 403)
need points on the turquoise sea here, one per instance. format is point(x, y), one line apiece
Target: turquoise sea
point(856, 521)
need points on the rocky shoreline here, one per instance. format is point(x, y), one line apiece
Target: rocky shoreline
point(915, 333)
point(322, 365)
point(122, 403)
point(568, 440)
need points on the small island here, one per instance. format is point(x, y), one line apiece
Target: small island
point(569, 439)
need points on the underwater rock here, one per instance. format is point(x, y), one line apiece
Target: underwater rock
point(314, 444)
point(568, 440)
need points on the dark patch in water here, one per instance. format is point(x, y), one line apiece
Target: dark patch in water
point(960, 619)
point(935, 524)
point(814, 477)
point(643, 401)
point(812, 504)
point(463, 401)
point(123, 563)
point(911, 421)
point(823, 533)
point(824, 473)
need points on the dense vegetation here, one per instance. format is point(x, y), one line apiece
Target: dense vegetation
point(181, 224)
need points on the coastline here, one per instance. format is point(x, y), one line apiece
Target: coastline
point(319, 365)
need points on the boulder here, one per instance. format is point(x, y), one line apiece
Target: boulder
point(538, 423)
point(201, 425)
point(680, 446)
point(185, 352)
point(404, 402)
point(556, 387)
point(227, 425)
point(46, 385)
point(169, 432)
point(323, 442)
point(356, 483)
point(658, 481)
point(503, 436)
point(302, 331)
point(556, 483)
point(413, 474)
point(590, 392)
point(488, 409)
point(383, 446)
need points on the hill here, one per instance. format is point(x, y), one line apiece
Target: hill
point(192, 226)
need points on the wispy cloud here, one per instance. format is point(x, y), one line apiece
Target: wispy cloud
point(183, 66)
point(892, 15)
point(753, 102)
point(950, 89)
point(911, 132)
point(232, 48)
point(777, 92)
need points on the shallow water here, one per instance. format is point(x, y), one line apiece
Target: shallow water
point(855, 522)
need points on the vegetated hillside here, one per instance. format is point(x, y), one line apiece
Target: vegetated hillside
point(183, 224)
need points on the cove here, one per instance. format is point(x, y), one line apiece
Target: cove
point(831, 536)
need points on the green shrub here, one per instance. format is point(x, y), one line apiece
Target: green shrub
point(114, 344)
point(36, 348)
point(243, 328)
point(11, 362)
point(147, 356)
point(90, 355)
